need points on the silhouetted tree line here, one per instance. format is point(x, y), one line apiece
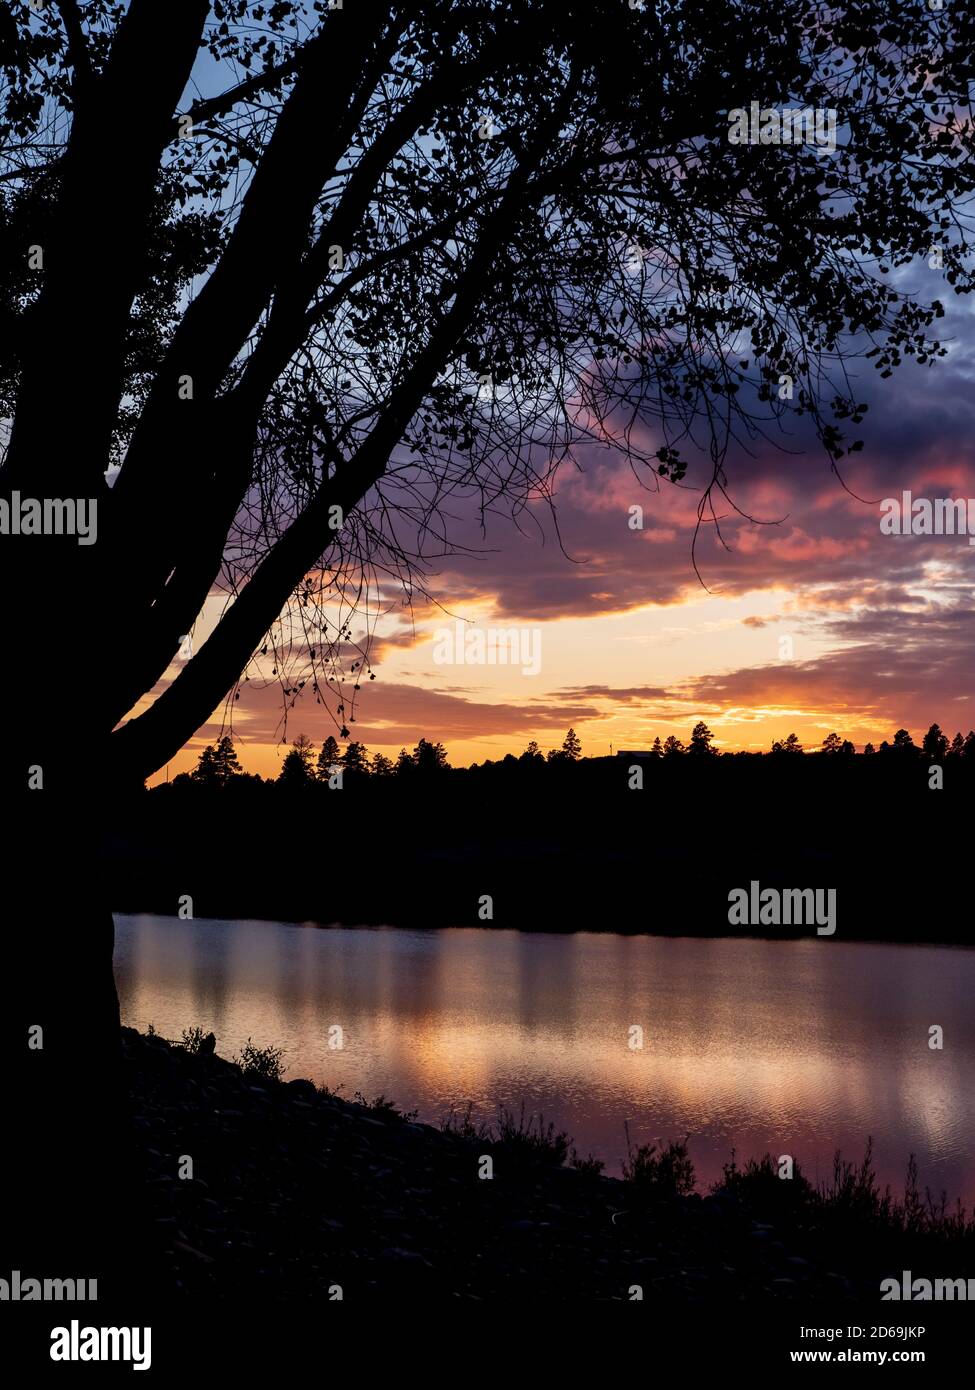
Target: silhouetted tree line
point(218, 764)
point(561, 841)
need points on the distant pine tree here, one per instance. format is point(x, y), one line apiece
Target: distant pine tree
point(429, 757)
point(296, 770)
point(934, 745)
point(356, 759)
point(571, 747)
point(217, 764)
point(205, 772)
point(328, 758)
point(701, 739)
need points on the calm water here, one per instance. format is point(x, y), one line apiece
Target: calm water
point(794, 1047)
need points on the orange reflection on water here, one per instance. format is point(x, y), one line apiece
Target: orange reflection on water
point(795, 1047)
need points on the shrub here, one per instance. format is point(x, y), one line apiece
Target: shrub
point(388, 1109)
point(668, 1172)
point(193, 1039)
point(532, 1139)
point(523, 1139)
point(263, 1063)
point(590, 1165)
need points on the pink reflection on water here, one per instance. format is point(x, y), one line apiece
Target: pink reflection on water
point(795, 1047)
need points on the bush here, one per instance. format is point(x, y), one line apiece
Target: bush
point(852, 1199)
point(193, 1039)
point(263, 1063)
point(528, 1140)
point(534, 1140)
point(466, 1128)
point(669, 1173)
point(591, 1165)
point(388, 1109)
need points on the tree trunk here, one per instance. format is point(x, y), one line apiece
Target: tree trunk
point(68, 1170)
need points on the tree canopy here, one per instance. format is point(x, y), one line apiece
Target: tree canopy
point(395, 259)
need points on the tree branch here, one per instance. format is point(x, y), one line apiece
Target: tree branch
point(94, 253)
point(206, 108)
point(287, 327)
point(146, 742)
point(328, 95)
point(77, 44)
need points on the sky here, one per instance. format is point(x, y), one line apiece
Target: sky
point(812, 620)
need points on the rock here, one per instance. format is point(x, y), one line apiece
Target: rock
point(306, 1090)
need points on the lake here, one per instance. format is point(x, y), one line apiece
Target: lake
point(797, 1047)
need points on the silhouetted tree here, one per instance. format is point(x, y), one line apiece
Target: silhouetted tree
point(934, 745)
point(296, 769)
point(329, 758)
point(788, 745)
point(571, 747)
point(672, 746)
point(356, 759)
point(532, 755)
point(832, 743)
point(701, 739)
point(381, 765)
point(869, 748)
point(217, 764)
point(903, 743)
point(655, 748)
point(409, 252)
point(957, 745)
point(429, 757)
point(205, 774)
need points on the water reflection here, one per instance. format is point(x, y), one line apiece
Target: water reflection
point(797, 1047)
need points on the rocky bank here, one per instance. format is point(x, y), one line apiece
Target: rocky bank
point(297, 1194)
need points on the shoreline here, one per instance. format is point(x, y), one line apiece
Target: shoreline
point(295, 1193)
point(964, 940)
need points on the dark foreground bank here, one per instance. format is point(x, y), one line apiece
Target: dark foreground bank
point(296, 1195)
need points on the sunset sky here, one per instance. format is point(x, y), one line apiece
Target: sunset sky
point(882, 627)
